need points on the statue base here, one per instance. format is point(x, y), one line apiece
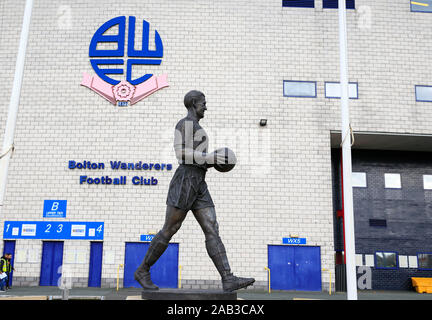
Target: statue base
point(187, 294)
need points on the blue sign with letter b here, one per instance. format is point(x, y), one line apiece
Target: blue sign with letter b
point(54, 208)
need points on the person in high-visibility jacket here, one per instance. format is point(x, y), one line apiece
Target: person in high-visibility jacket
point(4, 267)
point(9, 270)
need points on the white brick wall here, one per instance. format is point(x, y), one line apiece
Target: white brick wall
point(238, 53)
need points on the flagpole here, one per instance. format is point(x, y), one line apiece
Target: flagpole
point(14, 101)
point(346, 159)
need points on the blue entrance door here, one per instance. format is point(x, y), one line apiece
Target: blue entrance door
point(295, 267)
point(9, 247)
point(164, 272)
point(281, 264)
point(52, 259)
point(95, 268)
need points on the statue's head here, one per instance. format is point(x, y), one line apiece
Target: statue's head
point(195, 101)
point(192, 97)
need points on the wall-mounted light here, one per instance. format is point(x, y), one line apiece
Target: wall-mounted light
point(263, 122)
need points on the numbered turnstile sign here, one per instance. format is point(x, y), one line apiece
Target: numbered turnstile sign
point(65, 230)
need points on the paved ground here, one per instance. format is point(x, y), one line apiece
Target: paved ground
point(54, 293)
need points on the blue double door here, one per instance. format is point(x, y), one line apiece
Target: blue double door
point(52, 260)
point(294, 267)
point(164, 272)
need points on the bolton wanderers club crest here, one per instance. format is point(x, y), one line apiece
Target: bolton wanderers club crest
point(129, 91)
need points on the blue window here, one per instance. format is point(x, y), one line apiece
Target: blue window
point(423, 93)
point(421, 6)
point(333, 4)
point(298, 3)
point(424, 261)
point(386, 260)
point(299, 89)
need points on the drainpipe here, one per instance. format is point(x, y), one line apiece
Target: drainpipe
point(8, 139)
point(348, 209)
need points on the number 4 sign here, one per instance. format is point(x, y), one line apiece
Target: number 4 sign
point(54, 208)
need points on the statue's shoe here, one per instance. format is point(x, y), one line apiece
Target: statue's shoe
point(232, 283)
point(144, 279)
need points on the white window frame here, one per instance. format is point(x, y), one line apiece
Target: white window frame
point(389, 183)
point(427, 185)
point(333, 90)
point(359, 179)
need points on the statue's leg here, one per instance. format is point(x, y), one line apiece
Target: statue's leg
point(206, 217)
point(173, 220)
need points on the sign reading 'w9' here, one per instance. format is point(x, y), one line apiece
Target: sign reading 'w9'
point(108, 62)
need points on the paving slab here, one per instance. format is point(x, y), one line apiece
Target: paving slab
point(187, 294)
point(25, 293)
